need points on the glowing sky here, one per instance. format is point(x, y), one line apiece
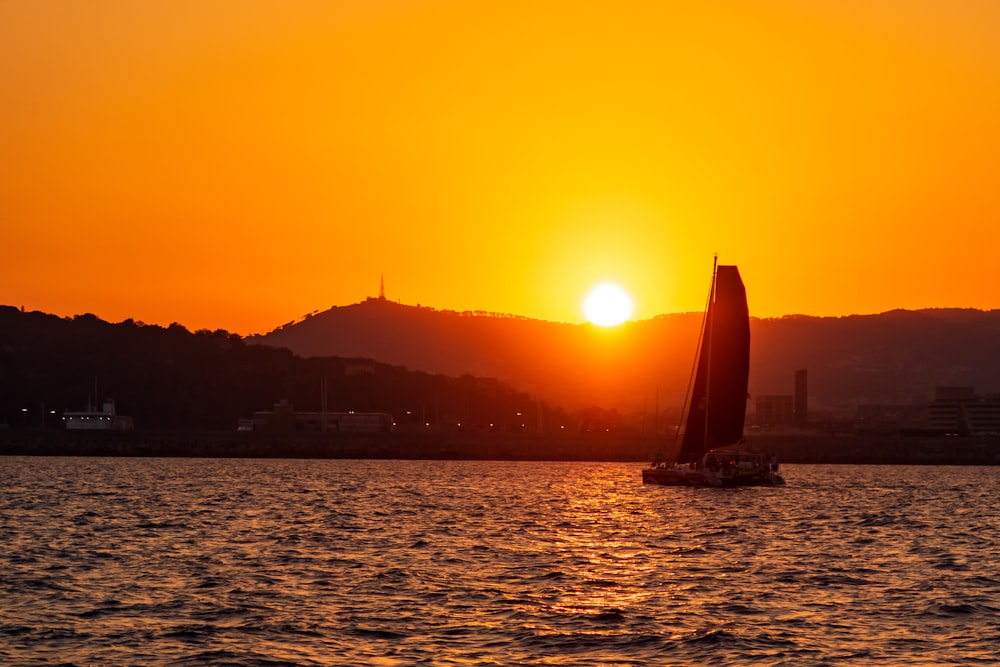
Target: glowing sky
point(238, 164)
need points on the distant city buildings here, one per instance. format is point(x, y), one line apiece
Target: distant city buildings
point(92, 419)
point(953, 411)
point(785, 409)
point(961, 411)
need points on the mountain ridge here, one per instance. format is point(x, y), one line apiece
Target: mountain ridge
point(898, 356)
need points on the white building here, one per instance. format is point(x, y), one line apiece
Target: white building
point(92, 419)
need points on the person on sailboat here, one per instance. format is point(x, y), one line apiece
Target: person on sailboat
point(658, 458)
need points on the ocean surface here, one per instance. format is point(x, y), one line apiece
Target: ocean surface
point(108, 561)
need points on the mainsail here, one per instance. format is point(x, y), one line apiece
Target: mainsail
point(718, 400)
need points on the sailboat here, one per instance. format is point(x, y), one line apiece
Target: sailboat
point(710, 452)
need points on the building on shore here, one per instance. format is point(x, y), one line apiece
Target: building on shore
point(92, 419)
point(961, 411)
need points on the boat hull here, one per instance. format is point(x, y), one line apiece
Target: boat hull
point(673, 477)
point(663, 476)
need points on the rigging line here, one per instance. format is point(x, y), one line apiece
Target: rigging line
point(710, 315)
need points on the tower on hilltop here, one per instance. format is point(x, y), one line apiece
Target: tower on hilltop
point(381, 287)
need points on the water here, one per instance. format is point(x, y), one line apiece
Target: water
point(263, 562)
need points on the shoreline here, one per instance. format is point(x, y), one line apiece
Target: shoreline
point(442, 445)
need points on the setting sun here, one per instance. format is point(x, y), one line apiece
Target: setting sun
point(607, 305)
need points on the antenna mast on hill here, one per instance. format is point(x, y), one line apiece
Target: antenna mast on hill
point(381, 287)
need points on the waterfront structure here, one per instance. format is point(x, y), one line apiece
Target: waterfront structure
point(961, 411)
point(92, 419)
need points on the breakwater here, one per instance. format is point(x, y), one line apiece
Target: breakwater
point(439, 445)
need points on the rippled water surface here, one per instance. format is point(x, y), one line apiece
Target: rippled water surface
point(268, 562)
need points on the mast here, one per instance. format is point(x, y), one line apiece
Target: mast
point(709, 338)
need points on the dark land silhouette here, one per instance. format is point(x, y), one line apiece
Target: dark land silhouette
point(897, 357)
point(170, 378)
point(471, 385)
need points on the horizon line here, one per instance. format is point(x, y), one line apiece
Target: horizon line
point(491, 314)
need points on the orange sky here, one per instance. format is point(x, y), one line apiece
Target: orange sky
point(238, 164)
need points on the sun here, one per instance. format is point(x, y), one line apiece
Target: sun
point(607, 305)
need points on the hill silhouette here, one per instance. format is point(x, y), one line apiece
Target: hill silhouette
point(170, 378)
point(894, 357)
point(574, 365)
point(423, 364)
